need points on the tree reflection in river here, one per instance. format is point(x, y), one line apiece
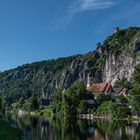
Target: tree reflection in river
point(62, 129)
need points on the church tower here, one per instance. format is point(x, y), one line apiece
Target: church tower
point(89, 81)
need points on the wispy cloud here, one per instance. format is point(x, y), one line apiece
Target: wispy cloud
point(79, 6)
point(90, 5)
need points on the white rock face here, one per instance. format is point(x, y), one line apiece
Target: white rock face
point(119, 67)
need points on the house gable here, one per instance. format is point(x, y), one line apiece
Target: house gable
point(101, 88)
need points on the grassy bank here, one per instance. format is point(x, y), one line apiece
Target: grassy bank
point(8, 133)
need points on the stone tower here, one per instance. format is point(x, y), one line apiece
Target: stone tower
point(116, 30)
point(89, 81)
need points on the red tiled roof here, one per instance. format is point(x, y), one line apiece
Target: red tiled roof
point(100, 87)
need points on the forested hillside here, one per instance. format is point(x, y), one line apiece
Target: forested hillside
point(113, 60)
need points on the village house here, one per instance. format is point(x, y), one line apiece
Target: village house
point(105, 88)
point(99, 88)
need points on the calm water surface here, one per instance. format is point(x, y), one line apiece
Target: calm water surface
point(60, 129)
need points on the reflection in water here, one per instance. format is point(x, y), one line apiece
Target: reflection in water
point(61, 129)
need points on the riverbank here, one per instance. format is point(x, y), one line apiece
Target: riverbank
point(105, 117)
point(48, 114)
point(9, 133)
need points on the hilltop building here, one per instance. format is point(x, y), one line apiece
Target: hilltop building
point(116, 30)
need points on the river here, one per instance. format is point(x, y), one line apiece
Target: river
point(60, 129)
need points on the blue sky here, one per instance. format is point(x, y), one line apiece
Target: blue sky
point(34, 30)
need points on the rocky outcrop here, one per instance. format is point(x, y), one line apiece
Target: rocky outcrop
point(119, 67)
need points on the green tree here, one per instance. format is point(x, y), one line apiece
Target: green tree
point(0, 103)
point(34, 103)
point(134, 99)
point(27, 106)
point(72, 97)
point(111, 109)
point(4, 104)
point(121, 83)
point(21, 102)
point(15, 106)
point(134, 93)
point(103, 97)
point(136, 74)
point(56, 100)
point(83, 107)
